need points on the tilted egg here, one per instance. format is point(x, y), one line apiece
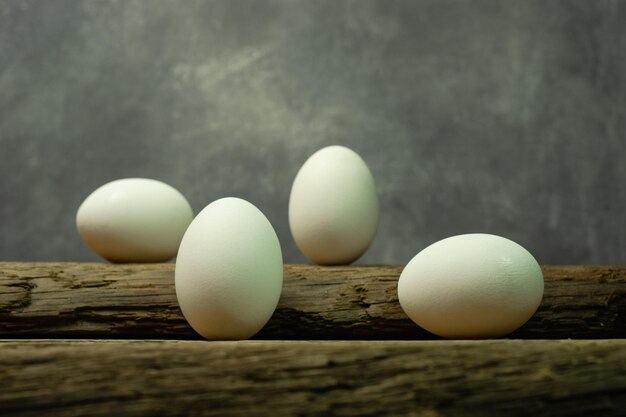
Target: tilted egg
point(333, 207)
point(134, 220)
point(471, 286)
point(229, 271)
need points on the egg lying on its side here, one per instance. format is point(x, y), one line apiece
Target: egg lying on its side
point(134, 220)
point(471, 286)
point(333, 207)
point(229, 271)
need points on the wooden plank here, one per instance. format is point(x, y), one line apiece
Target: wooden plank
point(341, 378)
point(348, 302)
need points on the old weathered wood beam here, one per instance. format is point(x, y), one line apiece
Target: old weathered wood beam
point(348, 302)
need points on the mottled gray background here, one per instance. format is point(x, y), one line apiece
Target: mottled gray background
point(507, 117)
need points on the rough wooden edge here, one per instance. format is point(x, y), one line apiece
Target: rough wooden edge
point(282, 378)
point(348, 302)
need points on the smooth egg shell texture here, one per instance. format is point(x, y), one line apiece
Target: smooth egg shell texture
point(229, 271)
point(134, 220)
point(471, 287)
point(333, 207)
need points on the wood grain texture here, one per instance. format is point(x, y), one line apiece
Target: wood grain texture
point(349, 302)
point(341, 378)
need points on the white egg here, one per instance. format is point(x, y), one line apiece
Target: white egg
point(471, 287)
point(333, 207)
point(229, 271)
point(134, 220)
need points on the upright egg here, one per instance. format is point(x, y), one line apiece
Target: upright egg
point(471, 286)
point(229, 271)
point(333, 207)
point(134, 220)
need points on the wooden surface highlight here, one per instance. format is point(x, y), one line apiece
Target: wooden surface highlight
point(349, 302)
point(286, 378)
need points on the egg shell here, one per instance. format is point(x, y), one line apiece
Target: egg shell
point(229, 271)
point(333, 207)
point(134, 220)
point(471, 286)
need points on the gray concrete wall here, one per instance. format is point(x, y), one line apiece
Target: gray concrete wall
point(506, 117)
